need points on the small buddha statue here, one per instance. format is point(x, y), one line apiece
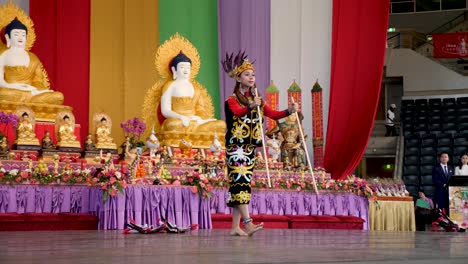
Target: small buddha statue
point(103, 135)
point(66, 134)
point(291, 146)
point(4, 146)
point(25, 132)
point(89, 144)
point(274, 148)
point(22, 76)
point(152, 143)
point(47, 141)
point(183, 107)
point(133, 159)
point(216, 146)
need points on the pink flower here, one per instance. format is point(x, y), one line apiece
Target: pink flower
point(24, 174)
point(176, 183)
point(298, 188)
point(112, 180)
point(194, 189)
point(113, 192)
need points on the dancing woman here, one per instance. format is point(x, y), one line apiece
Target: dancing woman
point(243, 136)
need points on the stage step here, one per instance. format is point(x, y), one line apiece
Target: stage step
point(221, 221)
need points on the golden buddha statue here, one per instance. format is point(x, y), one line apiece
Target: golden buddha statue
point(47, 141)
point(177, 105)
point(103, 125)
point(65, 130)
point(25, 134)
point(23, 79)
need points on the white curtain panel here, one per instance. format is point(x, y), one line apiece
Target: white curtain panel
point(301, 51)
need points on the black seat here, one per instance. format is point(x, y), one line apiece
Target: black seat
point(435, 102)
point(462, 118)
point(435, 127)
point(427, 150)
point(459, 150)
point(449, 102)
point(447, 149)
point(411, 179)
point(460, 140)
point(411, 170)
point(428, 140)
point(412, 141)
point(444, 141)
point(426, 179)
point(412, 189)
point(420, 102)
point(429, 190)
point(407, 102)
point(462, 101)
point(450, 126)
point(427, 160)
point(412, 160)
point(462, 126)
point(411, 151)
point(420, 119)
point(449, 118)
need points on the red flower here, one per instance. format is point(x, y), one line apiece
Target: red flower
point(194, 189)
point(112, 180)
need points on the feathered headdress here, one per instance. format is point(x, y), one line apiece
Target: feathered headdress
point(235, 67)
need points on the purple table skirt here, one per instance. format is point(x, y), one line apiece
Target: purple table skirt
point(145, 204)
point(179, 205)
point(281, 202)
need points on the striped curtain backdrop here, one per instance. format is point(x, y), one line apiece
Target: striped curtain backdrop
point(100, 54)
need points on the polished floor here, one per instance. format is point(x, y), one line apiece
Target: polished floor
point(215, 246)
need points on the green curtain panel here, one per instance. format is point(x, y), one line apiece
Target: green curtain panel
point(198, 22)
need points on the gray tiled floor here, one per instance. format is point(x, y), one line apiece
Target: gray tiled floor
point(215, 246)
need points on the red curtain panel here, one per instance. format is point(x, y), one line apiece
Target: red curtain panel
point(359, 33)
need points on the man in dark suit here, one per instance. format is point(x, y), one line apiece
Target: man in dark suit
point(441, 174)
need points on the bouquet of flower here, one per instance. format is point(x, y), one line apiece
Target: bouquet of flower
point(199, 182)
point(109, 180)
point(5, 120)
point(134, 128)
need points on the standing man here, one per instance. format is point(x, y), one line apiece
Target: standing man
point(389, 122)
point(441, 174)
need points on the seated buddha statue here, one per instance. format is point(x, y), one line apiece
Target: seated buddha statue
point(103, 135)
point(22, 76)
point(25, 132)
point(47, 141)
point(66, 134)
point(181, 108)
point(4, 146)
point(89, 144)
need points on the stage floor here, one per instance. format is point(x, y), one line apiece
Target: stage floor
point(215, 246)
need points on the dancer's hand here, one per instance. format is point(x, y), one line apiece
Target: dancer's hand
point(256, 102)
point(293, 108)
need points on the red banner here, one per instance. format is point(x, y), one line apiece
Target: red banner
point(450, 45)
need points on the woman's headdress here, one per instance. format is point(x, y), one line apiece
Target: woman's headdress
point(240, 63)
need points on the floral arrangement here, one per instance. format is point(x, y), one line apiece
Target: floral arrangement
point(110, 181)
point(134, 128)
point(42, 175)
point(5, 120)
point(389, 187)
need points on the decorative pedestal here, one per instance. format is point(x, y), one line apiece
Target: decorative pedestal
point(112, 151)
point(24, 154)
point(27, 147)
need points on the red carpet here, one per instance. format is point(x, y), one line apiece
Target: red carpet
point(295, 221)
point(47, 221)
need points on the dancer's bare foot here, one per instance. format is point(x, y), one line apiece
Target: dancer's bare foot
point(237, 232)
point(251, 228)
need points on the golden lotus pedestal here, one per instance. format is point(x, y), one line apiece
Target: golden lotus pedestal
point(199, 140)
point(43, 112)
